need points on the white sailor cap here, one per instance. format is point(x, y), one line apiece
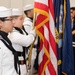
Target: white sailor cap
point(16, 12)
point(28, 7)
point(5, 12)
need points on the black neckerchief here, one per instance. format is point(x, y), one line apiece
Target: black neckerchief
point(24, 30)
point(7, 42)
point(18, 29)
point(31, 19)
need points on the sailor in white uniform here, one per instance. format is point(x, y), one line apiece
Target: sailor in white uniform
point(28, 10)
point(7, 65)
point(19, 39)
point(28, 26)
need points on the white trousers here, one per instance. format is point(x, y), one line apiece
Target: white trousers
point(23, 69)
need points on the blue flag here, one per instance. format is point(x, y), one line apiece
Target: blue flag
point(64, 37)
point(67, 51)
point(59, 11)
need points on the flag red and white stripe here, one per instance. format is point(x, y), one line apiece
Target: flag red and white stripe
point(46, 30)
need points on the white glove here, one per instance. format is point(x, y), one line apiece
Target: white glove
point(33, 32)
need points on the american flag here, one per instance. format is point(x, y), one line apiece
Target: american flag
point(45, 28)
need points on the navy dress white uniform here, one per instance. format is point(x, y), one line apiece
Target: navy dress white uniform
point(6, 61)
point(6, 56)
point(28, 26)
point(20, 40)
point(28, 19)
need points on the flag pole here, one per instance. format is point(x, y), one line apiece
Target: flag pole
point(31, 47)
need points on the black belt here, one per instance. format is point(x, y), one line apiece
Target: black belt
point(22, 62)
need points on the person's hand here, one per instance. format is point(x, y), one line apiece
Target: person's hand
point(33, 32)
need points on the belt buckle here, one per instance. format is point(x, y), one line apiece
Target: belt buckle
point(22, 62)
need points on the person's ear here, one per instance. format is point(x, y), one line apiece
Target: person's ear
point(0, 24)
